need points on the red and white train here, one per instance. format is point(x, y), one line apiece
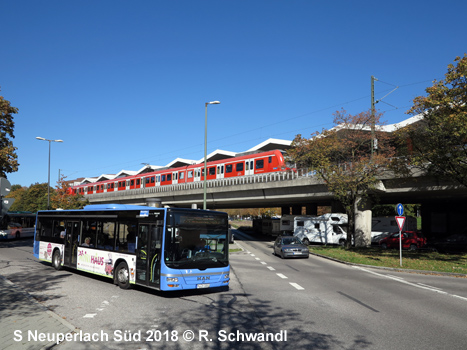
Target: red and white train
point(257, 163)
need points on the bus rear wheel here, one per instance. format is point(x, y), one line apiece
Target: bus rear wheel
point(57, 260)
point(122, 276)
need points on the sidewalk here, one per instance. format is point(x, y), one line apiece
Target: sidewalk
point(23, 320)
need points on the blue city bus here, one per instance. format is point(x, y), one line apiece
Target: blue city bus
point(163, 248)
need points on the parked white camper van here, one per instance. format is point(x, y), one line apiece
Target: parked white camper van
point(324, 229)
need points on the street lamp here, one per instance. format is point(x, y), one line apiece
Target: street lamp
point(206, 147)
point(48, 186)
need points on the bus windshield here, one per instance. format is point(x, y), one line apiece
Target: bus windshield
point(195, 241)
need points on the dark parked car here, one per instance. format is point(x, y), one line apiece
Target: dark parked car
point(456, 243)
point(410, 240)
point(290, 247)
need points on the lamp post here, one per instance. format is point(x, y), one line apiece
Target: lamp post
point(206, 148)
point(48, 182)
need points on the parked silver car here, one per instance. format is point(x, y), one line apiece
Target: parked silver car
point(290, 247)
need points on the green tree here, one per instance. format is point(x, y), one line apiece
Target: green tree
point(342, 158)
point(62, 199)
point(17, 192)
point(8, 157)
point(437, 143)
point(34, 198)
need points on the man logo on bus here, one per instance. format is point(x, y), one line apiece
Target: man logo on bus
point(204, 278)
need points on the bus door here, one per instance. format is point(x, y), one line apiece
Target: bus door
point(220, 171)
point(72, 230)
point(249, 170)
point(148, 253)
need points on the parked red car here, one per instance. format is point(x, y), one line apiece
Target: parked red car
point(410, 240)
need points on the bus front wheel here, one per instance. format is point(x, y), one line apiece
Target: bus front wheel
point(122, 276)
point(57, 260)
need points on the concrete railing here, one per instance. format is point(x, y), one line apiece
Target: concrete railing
point(225, 182)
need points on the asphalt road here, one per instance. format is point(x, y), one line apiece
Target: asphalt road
point(310, 303)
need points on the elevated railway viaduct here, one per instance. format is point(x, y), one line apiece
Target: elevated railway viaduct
point(442, 202)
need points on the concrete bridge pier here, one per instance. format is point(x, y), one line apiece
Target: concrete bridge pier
point(363, 224)
point(154, 202)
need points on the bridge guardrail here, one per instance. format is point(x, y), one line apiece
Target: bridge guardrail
point(225, 182)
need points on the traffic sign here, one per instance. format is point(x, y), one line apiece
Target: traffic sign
point(400, 209)
point(400, 222)
point(5, 187)
point(6, 204)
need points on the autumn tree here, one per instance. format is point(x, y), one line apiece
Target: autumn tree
point(62, 199)
point(8, 157)
point(343, 159)
point(438, 143)
point(30, 199)
point(17, 192)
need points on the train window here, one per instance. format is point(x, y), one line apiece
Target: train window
point(181, 175)
point(158, 178)
point(270, 159)
point(162, 178)
point(239, 166)
point(137, 182)
point(212, 171)
point(169, 177)
point(132, 182)
point(190, 174)
point(153, 179)
point(147, 180)
point(175, 176)
point(228, 168)
point(260, 164)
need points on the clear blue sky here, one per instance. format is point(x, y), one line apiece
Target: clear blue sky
point(125, 82)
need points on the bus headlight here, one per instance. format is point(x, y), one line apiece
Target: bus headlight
point(172, 279)
point(226, 276)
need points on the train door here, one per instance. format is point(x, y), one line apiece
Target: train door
point(249, 169)
point(220, 171)
point(175, 177)
point(148, 253)
point(198, 174)
point(72, 231)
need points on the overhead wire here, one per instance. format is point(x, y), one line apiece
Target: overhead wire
point(180, 150)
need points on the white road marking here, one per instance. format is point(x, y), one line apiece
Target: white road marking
point(262, 262)
point(281, 275)
point(296, 285)
point(418, 285)
point(271, 268)
point(426, 285)
point(89, 315)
